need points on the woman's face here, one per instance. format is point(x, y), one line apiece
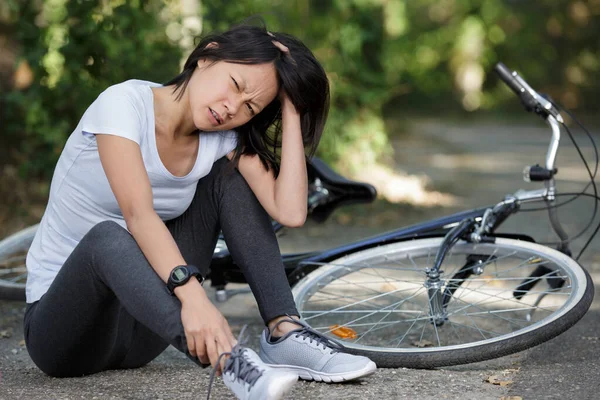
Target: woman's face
point(224, 95)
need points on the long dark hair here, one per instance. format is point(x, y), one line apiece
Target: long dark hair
point(299, 74)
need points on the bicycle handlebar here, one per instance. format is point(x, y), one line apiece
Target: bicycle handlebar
point(532, 100)
point(536, 103)
point(510, 79)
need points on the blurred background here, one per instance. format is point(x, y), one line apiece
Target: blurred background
point(413, 91)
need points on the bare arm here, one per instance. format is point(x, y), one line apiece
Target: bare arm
point(283, 198)
point(124, 168)
point(123, 165)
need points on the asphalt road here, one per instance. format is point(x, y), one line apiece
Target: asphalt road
point(477, 164)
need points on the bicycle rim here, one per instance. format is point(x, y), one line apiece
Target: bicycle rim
point(13, 272)
point(376, 302)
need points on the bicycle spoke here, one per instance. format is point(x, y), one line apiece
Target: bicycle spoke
point(377, 323)
point(406, 334)
point(361, 311)
point(13, 259)
point(422, 332)
point(335, 297)
point(17, 278)
point(372, 290)
point(483, 312)
point(358, 302)
point(471, 327)
point(9, 271)
point(495, 296)
point(434, 324)
point(372, 313)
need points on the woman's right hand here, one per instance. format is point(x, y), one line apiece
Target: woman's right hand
point(207, 332)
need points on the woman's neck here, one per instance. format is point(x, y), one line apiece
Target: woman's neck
point(172, 118)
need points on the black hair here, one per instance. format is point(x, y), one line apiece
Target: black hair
point(298, 72)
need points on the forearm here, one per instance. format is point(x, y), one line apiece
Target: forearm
point(161, 251)
point(291, 186)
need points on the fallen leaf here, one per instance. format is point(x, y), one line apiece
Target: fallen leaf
point(511, 398)
point(497, 380)
point(22, 343)
point(422, 343)
point(6, 333)
point(511, 370)
point(590, 338)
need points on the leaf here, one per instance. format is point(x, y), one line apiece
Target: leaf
point(511, 370)
point(592, 338)
point(6, 333)
point(422, 343)
point(498, 380)
point(511, 398)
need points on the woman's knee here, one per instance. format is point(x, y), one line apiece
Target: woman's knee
point(225, 181)
point(107, 229)
point(106, 245)
point(108, 236)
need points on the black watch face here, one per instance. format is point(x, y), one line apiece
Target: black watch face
point(179, 274)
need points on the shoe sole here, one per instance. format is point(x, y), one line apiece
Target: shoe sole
point(308, 374)
point(277, 390)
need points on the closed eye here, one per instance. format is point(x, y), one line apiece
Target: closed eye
point(235, 82)
point(238, 88)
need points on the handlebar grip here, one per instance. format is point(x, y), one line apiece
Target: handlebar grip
point(508, 78)
point(530, 103)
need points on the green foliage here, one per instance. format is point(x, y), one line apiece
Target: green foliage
point(433, 54)
point(76, 49)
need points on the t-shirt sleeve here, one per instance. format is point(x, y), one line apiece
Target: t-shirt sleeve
point(115, 112)
point(228, 142)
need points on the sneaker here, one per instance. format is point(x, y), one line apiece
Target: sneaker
point(312, 356)
point(250, 379)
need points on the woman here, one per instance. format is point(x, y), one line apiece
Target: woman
point(145, 183)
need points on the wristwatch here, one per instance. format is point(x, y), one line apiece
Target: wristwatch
point(180, 275)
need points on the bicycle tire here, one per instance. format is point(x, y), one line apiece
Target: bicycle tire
point(440, 355)
point(13, 272)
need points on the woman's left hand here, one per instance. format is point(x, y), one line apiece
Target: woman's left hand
point(287, 107)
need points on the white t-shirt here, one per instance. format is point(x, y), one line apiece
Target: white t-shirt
point(80, 195)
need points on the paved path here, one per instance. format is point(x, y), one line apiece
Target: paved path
point(478, 164)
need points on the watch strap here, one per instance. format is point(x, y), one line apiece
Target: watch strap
point(193, 271)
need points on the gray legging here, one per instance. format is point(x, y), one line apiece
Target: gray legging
point(108, 309)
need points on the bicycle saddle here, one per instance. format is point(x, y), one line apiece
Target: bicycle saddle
point(341, 191)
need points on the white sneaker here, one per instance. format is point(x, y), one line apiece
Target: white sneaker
point(250, 379)
point(312, 355)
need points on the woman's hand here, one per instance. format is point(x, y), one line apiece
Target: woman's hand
point(207, 332)
point(288, 110)
point(287, 107)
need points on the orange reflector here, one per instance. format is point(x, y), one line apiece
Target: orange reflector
point(343, 331)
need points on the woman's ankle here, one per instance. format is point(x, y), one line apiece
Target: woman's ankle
point(284, 327)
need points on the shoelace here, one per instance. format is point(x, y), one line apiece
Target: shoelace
point(242, 368)
point(309, 333)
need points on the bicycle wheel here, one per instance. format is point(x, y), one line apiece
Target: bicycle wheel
point(376, 301)
point(13, 273)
